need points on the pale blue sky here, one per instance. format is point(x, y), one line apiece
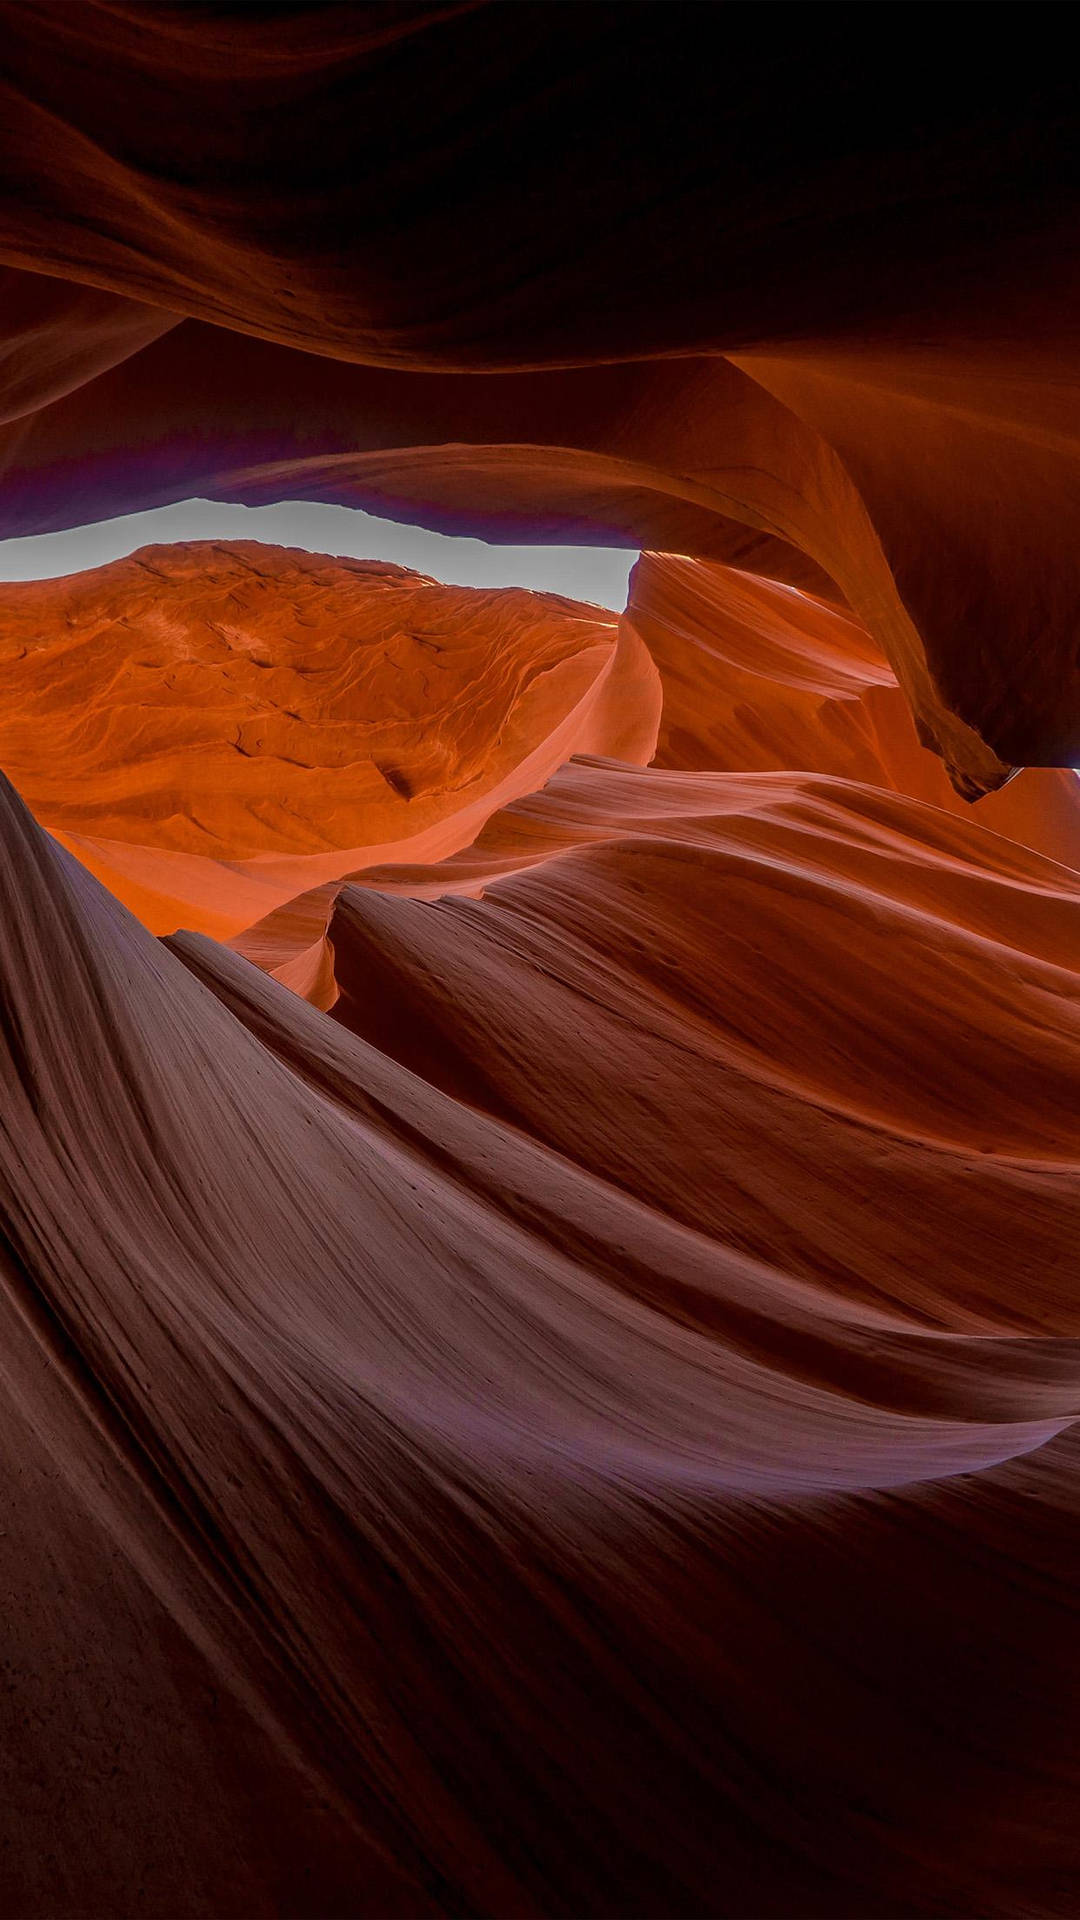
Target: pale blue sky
point(598, 574)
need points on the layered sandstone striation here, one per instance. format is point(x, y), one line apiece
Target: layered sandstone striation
point(755, 676)
point(650, 1283)
point(806, 330)
point(759, 677)
point(213, 728)
point(572, 1408)
point(642, 1313)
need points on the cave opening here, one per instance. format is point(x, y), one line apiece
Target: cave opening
point(538, 1081)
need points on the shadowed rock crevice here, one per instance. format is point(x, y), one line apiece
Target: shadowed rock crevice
point(542, 1378)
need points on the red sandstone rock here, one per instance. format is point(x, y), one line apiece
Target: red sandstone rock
point(899, 401)
point(756, 1391)
point(589, 1427)
point(214, 728)
point(756, 677)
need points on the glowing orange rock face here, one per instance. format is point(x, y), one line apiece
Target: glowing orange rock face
point(215, 728)
point(662, 1218)
point(828, 325)
point(756, 676)
point(586, 1423)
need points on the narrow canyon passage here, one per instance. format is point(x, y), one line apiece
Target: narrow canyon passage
point(539, 1160)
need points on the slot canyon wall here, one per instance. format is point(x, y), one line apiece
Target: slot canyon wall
point(540, 1366)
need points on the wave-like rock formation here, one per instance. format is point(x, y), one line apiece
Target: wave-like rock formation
point(755, 676)
point(751, 308)
point(596, 1437)
point(573, 1408)
point(758, 677)
point(588, 1427)
point(215, 728)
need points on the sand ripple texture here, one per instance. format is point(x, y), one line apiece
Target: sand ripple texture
point(215, 728)
point(543, 1378)
point(589, 1424)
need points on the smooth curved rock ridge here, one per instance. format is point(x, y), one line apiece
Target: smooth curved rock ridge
point(690, 456)
point(756, 676)
point(497, 1414)
point(799, 868)
point(572, 1408)
point(213, 728)
point(402, 1375)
